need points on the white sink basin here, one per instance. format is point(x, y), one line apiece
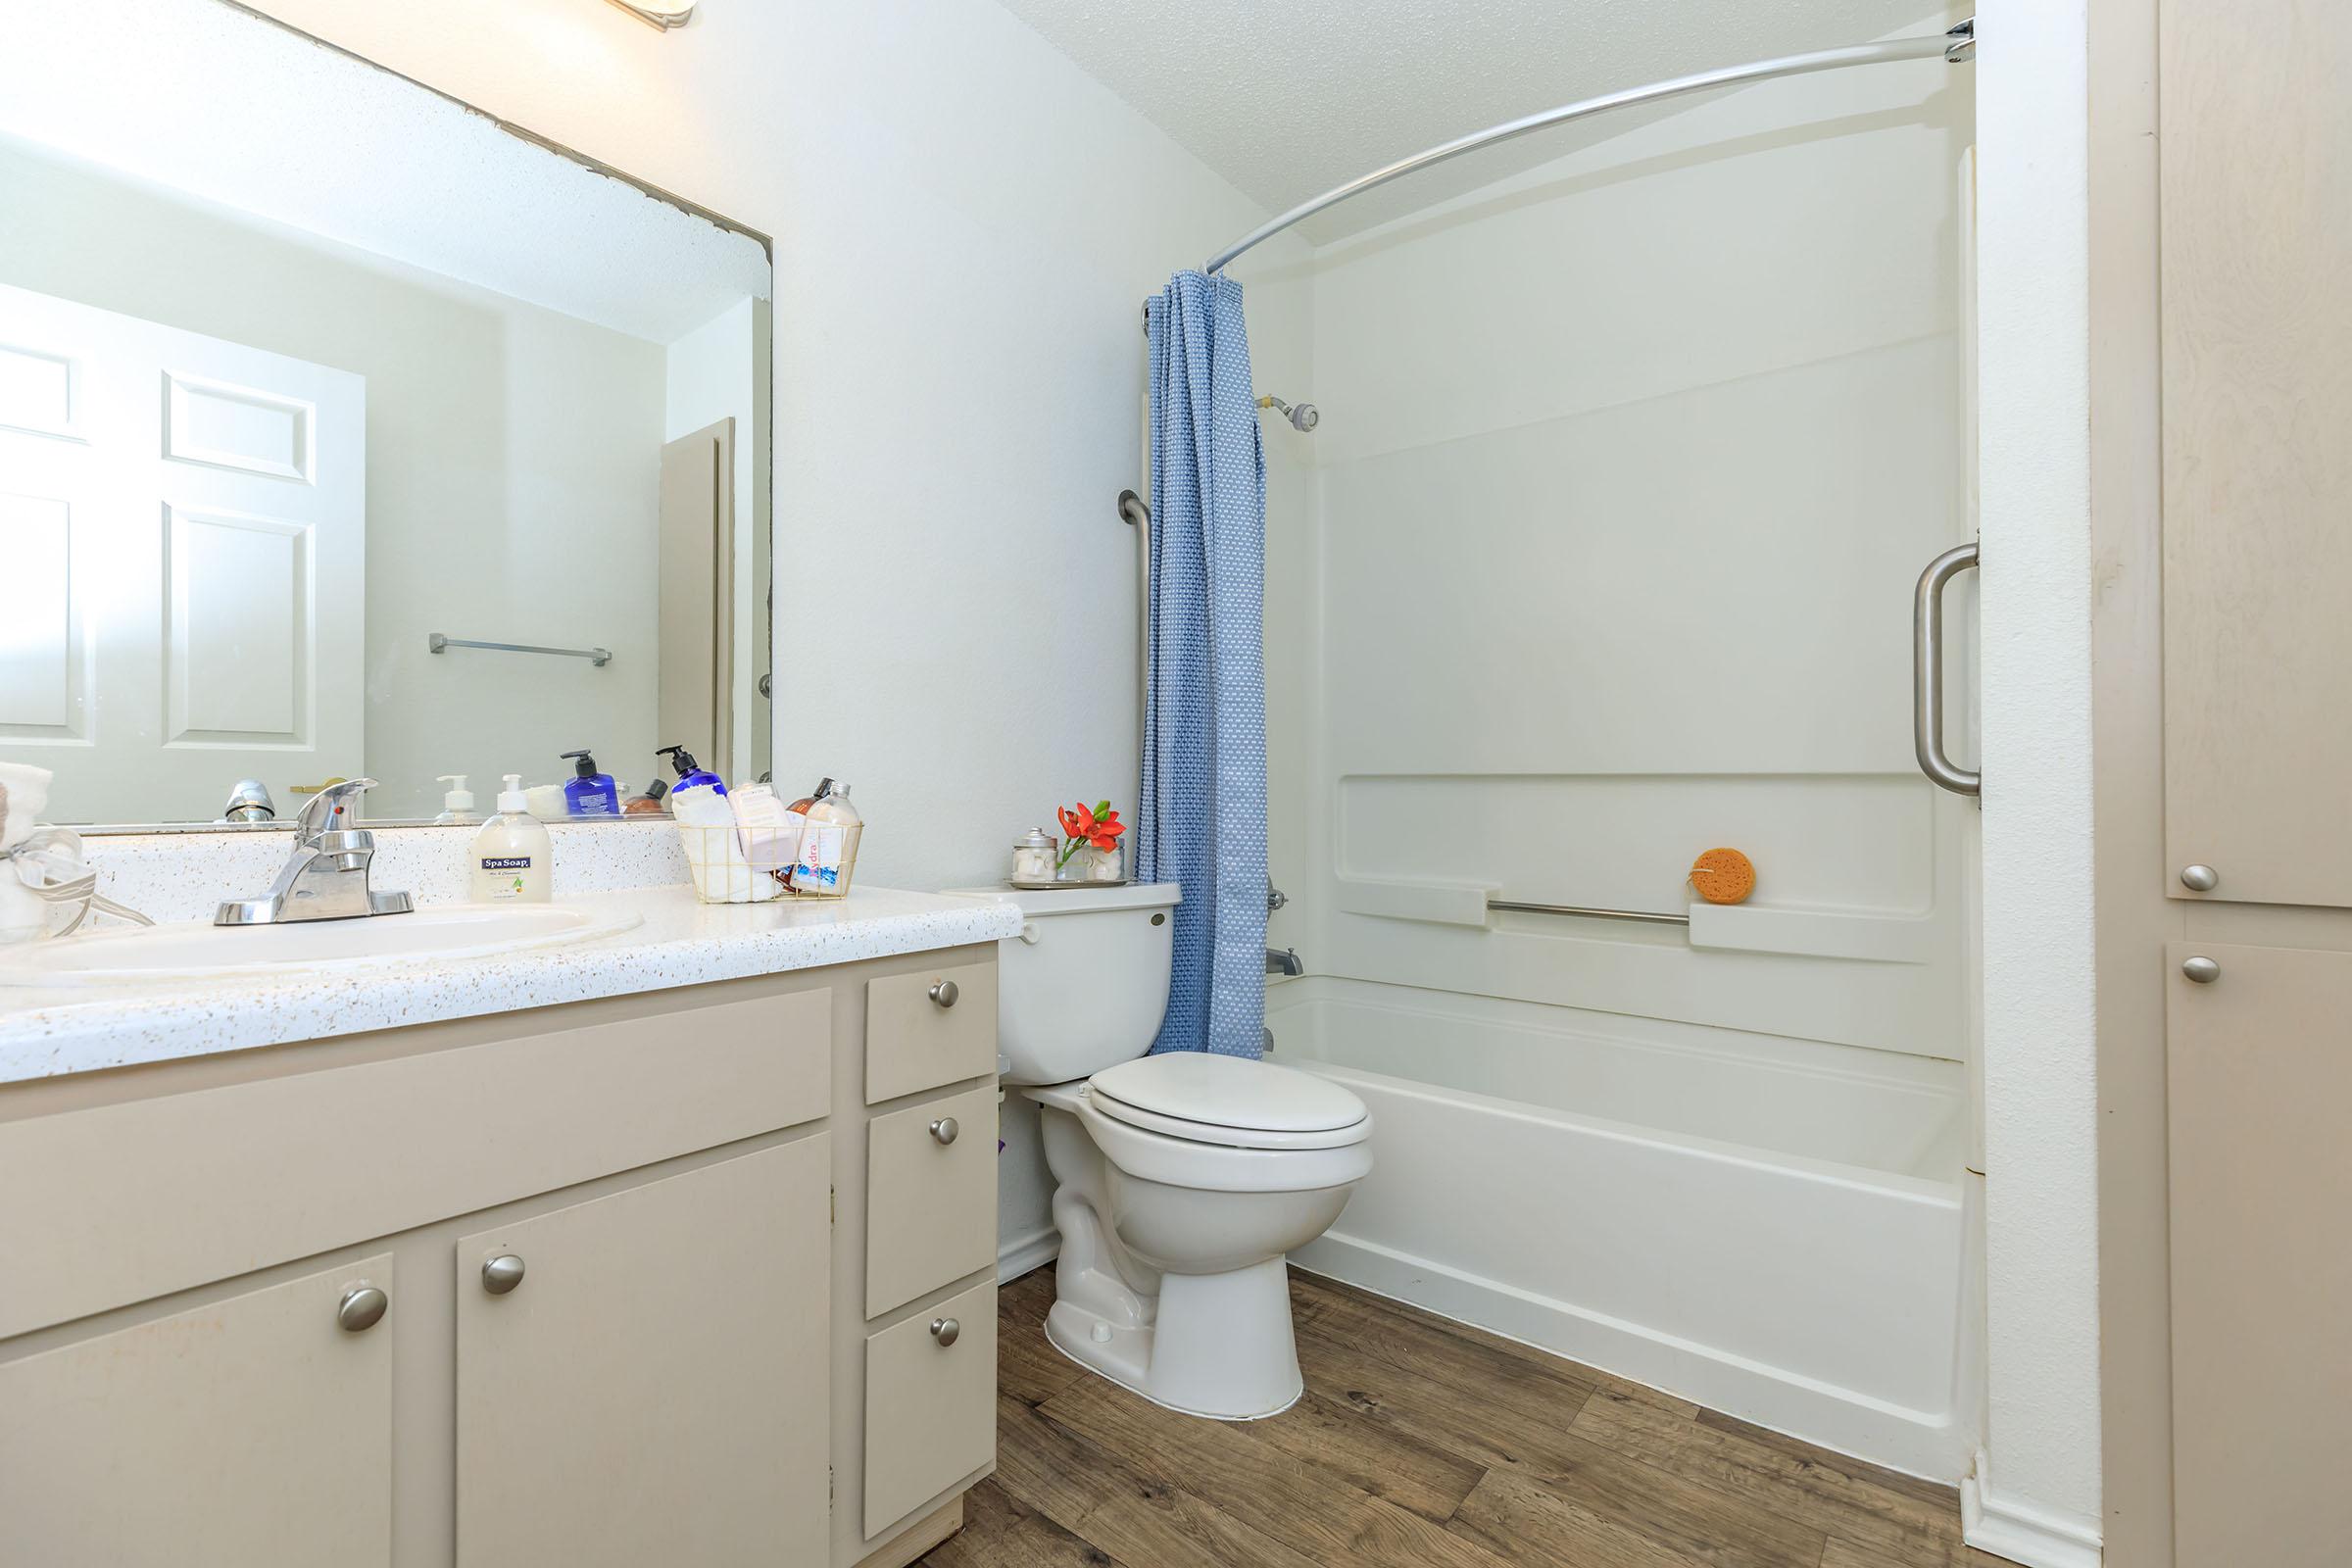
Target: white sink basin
point(198, 950)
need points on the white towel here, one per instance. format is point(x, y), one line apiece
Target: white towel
point(23, 796)
point(43, 873)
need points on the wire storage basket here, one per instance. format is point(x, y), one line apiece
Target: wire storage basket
point(723, 870)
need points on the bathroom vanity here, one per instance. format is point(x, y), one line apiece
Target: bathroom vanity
point(686, 1255)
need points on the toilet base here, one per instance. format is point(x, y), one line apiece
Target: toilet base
point(1218, 1346)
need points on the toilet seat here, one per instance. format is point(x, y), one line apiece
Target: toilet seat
point(1211, 1168)
point(1232, 1101)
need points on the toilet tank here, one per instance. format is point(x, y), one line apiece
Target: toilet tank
point(1085, 985)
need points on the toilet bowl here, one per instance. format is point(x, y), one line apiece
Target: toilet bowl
point(1182, 1180)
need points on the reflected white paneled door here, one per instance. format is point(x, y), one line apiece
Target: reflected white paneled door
point(184, 520)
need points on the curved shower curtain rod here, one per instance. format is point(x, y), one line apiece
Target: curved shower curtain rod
point(1958, 46)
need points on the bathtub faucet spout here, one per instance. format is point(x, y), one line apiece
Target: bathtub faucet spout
point(1284, 960)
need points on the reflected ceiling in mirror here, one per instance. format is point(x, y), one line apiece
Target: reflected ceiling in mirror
point(345, 432)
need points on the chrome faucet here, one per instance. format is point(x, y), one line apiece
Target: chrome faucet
point(328, 877)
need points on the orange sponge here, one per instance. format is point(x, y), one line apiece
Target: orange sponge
point(1724, 876)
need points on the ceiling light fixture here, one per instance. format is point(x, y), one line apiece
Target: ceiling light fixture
point(663, 14)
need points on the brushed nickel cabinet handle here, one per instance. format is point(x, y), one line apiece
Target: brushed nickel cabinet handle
point(502, 1274)
point(2203, 970)
point(945, 1131)
point(947, 1331)
point(945, 992)
point(2200, 878)
point(361, 1310)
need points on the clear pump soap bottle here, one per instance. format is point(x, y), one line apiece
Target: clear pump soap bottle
point(513, 858)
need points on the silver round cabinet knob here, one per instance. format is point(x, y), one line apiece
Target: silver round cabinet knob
point(2203, 970)
point(2200, 878)
point(363, 1308)
point(502, 1274)
point(947, 1331)
point(945, 992)
point(945, 1130)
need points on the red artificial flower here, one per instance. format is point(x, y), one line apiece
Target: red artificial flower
point(1097, 825)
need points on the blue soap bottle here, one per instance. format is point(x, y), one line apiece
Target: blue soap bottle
point(589, 793)
point(691, 773)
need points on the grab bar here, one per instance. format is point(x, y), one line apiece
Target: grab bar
point(439, 643)
point(1926, 672)
point(1639, 916)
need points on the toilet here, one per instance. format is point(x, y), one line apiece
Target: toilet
point(1181, 1181)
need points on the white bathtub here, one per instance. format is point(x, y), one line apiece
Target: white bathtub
point(1773, 1228)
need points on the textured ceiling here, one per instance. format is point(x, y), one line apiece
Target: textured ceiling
point(1287, 100)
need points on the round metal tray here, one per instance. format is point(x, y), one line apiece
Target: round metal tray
point(1059, 883)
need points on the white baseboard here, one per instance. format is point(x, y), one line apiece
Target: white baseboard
point(1025, 1253)
point(2021, 1531)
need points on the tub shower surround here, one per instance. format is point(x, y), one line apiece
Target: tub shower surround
point(1769, 1228)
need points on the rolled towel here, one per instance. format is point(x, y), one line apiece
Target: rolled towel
point(42, 869)
point(23, 796)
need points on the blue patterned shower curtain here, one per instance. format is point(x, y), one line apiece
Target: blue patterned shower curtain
point(1202, 817)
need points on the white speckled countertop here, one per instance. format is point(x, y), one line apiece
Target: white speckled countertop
point(680, 942)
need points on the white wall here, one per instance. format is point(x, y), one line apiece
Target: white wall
point(513, 462)
point(2036, 1495)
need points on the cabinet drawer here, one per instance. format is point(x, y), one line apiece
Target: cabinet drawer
point(929, 1028)
point(212, 1183)
point(930, 1206)
point(930, 1404)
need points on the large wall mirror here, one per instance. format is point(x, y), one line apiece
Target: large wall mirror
point(339, 443)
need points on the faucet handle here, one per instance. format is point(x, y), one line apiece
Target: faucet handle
point(327, 809)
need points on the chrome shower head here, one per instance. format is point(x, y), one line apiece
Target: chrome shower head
point(1303, 417)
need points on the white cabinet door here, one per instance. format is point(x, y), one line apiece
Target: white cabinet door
point(183, 524)
point(2261, 1258)
point(653, 1388)
point(255, 1431)
point(2257, 335)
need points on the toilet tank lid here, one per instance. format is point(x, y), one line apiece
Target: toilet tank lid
point(1230, 1092)
point(1036, 901)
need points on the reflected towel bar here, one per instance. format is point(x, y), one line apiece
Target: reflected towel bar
point(441, 643)
point(1639, 916)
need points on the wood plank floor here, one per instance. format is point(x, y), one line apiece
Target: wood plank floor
point(1420, 1444)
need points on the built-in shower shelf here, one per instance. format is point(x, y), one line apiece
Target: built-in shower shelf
point(1815, 932)
point(1713, 927)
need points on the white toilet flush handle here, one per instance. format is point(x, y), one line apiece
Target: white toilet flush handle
point(1029, 932)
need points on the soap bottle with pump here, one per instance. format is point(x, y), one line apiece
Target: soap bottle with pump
point(690, 773)
point(457, 806)
point(589, 792)
point(513, 858)
point(829, 844)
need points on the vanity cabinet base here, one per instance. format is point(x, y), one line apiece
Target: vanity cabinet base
point(919, 1537)
point(585, 1283)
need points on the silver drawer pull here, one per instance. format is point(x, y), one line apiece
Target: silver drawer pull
point(361, 1310)
point(2203, 970)
point(2200, 878)
point(502, 1274)
point(945, 992)
point(945, 1130)
point(947, 1331)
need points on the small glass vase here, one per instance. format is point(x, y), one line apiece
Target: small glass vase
point(1097, 868)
